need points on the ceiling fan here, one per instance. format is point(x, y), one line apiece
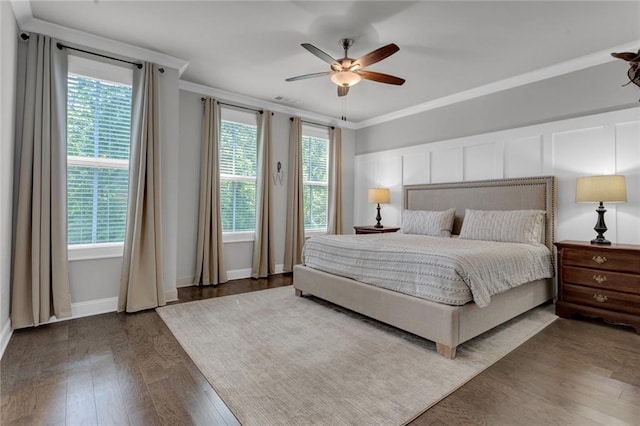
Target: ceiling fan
point(347, 72)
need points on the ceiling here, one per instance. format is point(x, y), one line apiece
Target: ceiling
point(447, 47)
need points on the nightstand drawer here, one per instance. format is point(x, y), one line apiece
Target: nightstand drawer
point(602, 259)
point(602, 279)
point(603, 299)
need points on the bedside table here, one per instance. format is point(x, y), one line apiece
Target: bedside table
point(599, 281)
point(374, 230)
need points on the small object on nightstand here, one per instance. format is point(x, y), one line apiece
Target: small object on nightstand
point(599, 282)
point(375, 230)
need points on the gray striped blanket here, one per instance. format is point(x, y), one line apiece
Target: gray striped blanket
point(445, 270)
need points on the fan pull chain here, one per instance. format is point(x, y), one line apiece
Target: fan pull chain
point(344, 109)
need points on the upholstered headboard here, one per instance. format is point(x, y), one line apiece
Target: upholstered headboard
point(533, 193)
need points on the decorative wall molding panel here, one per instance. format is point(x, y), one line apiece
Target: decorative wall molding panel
point(606, 143)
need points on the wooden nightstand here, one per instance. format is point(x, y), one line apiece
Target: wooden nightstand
point(599, 281)
point(374, 230)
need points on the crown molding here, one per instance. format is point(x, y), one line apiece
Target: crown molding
point(572, 65)
point(249, 101)
point(26, 22)
point(22, 11)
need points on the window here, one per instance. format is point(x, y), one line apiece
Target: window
point(315, 171)
point(98, 139)
point(238, 169)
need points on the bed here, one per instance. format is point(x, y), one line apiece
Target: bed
point(447, 325)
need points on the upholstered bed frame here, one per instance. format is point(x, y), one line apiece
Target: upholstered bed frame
point(448, 326)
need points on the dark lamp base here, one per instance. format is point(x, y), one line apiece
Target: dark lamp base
point(378, 218)
point(600, 227)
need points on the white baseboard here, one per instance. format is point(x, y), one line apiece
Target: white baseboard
point(5, 336)
point(103, 306)
point(233, 274)
point(184, 282)
point(78, 310)
point(93, 307)
point(171, 296)
point(236, 274)
point(110, 304)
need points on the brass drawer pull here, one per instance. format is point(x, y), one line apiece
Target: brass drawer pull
point(600, 298)
point(599, 279)
point(599, 259)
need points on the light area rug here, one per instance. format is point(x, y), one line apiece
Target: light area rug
point(278, 359)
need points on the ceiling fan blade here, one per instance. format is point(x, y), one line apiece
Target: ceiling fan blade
point(381, 78)
point(343, 90)
point(320, 54)
point(305, 76)
point(627, 56)
point(377, 55)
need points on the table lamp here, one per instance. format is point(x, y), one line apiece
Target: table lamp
point(598, 189)
point(379, 196)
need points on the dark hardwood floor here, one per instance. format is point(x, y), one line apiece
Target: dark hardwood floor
point(116, 369)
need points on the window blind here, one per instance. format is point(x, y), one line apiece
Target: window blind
point(98, 139)
point(315, 171)
point(238, 170)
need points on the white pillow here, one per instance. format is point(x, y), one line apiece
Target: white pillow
point(509, 226)
point(433, 223)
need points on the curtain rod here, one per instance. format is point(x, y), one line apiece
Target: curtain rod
point(315, 124)
point(25, 36)
point(202, 99)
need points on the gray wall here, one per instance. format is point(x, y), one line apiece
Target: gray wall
point(8, 64)
point(238, 255)
point(589, 91)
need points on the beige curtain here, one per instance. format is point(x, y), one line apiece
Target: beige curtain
point(141, 282)
point(263, 246)
point(334, 208)
point(210, 267)
point(294, 236)
point(40, 277)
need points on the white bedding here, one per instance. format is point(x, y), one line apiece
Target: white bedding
point(444, 270)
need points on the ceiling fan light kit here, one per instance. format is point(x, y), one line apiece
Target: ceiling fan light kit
point(347, 71)
point(345, 78)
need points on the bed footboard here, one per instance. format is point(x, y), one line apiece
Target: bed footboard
point(448, 326)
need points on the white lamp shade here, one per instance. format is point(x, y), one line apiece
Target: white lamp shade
point(345, 78)
point(611, 188)
point(379, 195)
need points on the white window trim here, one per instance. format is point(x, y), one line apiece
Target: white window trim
point(102, 163)
point(238, 178)
point(95, 251)
point(249, 119)
point(238, 237)
point(110, 73)
point(312, 232)
point(99, 70)
point(315, 231)
point(317, 132)
point(98, 250)
point(315, 183)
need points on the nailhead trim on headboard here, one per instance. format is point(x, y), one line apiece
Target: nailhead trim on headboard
point(549, 190)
